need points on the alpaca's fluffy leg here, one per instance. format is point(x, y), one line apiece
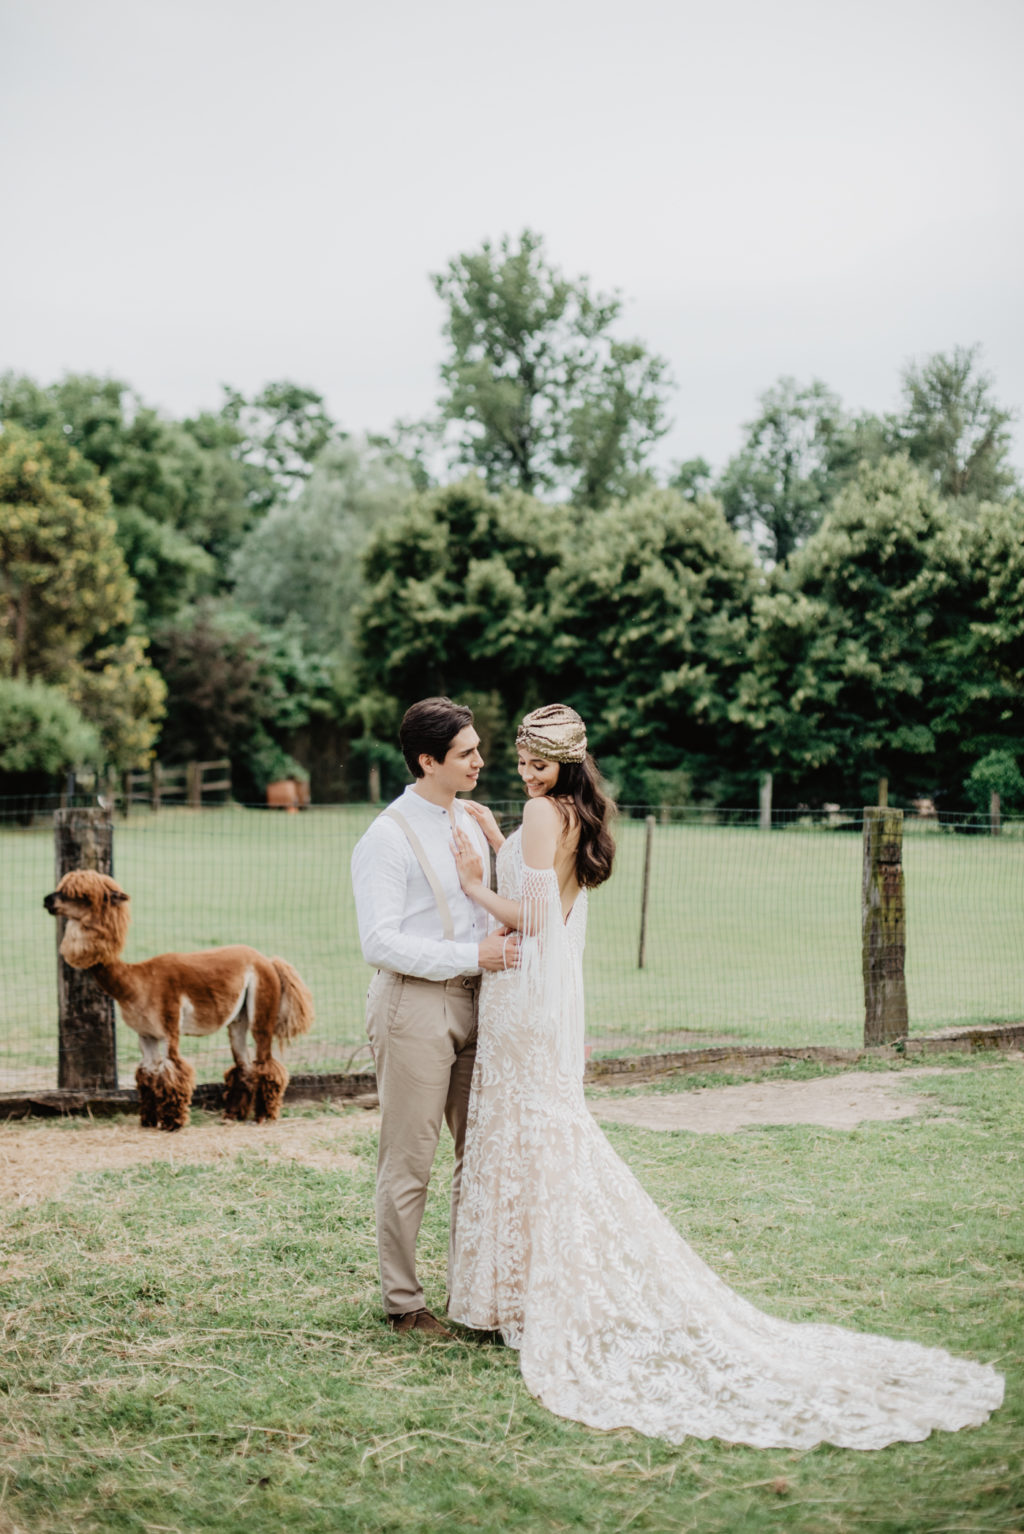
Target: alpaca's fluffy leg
point(146, 1081)
point(175, 1082)
point(271, 1080)
point(239, 1089)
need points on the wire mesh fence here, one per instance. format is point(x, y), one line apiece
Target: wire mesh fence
point(753, 935)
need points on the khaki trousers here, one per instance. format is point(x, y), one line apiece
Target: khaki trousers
point(423, 1037)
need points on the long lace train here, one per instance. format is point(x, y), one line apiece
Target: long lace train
point(618, 1322)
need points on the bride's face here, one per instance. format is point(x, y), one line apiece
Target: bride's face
point(539, 776)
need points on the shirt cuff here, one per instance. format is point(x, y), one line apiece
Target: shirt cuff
point(468, 957)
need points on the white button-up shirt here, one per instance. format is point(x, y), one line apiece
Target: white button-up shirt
point(399, 923)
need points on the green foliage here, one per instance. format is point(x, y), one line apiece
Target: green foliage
point(995, 546)
point(64, 579)
point(457, 596)
point(41, 730)
point(539, 395)
point(648, 637)
point(953, 428)
point(278, 436)
point(303, 559)
point(777, 488)
point(67, 595)
point(123, 695)
point(996, 773)
point(180, 503)
point(237, 690)
point(858, 651)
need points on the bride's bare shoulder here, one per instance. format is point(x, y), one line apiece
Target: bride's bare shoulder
point(541, 812)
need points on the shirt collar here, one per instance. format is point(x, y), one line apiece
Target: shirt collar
point(435, 811)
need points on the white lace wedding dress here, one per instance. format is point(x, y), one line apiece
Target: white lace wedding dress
point(617, 1321)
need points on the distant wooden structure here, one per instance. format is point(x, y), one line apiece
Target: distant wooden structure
point(191, 784)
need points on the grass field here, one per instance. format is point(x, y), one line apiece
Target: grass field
point(751, 937)
point(198, 1347)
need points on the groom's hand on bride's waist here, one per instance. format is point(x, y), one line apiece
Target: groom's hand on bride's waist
point(499, 950)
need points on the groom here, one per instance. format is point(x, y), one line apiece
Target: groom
point(428, 942)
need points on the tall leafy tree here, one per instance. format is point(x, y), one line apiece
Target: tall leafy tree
point(178, 504)
point(858, 656)
point(777, 488)
point(63, 577)
point(539, 395)
point(278, 435)
point(953, 427)
point(649, 636)
point(994, 544)
point(457, 600)
point(66, 597)
point(304, 557)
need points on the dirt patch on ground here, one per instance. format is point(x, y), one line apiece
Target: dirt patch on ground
point(37, 1161)
point(832, 1102)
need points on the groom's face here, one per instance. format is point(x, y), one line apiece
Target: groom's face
point(459, 771)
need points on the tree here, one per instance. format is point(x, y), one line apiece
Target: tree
point(238, 690)
point(648, 639)
point(996, 773)
point(179, 503)
point(994, 549)
point(304, 557)
point(41, 731)
point(777, 488)
point(279, 434)
point(63, 579)
point(953, 428)
point(457, 600)
point(538, 394)
point(66, 598)
point(857, 663)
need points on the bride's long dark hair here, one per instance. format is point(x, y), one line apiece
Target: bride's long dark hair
point(595, 852)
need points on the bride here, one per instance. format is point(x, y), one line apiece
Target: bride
point(617, 1321)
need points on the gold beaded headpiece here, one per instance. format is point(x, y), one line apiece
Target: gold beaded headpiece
point(556, 733)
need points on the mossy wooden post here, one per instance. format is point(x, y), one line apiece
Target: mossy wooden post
point(645, 891)
point(883, 918)
point(87, 1049)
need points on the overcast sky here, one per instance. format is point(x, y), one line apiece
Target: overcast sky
point(199, 192)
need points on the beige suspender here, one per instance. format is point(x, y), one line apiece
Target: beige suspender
point(431, 877)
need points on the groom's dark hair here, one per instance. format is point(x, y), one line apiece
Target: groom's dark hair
point(429, 728)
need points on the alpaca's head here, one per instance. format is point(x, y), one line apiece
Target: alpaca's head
point(95, 908)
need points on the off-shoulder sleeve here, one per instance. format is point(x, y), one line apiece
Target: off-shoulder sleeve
point(546, 1001)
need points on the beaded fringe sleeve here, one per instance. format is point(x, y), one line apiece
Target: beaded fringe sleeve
point(619, 1323)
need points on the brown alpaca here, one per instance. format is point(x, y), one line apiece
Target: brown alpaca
point(193, 993)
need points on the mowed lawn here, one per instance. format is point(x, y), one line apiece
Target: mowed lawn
point(752, 936)
point(198, 1346)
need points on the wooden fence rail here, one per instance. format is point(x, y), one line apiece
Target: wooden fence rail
point(159, 785)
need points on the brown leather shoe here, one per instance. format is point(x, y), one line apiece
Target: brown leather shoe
point(418, 1321)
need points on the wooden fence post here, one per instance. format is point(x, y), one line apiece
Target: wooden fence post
point(883, 925)
point(87, 1045)
point(765, 799)
point(994, 814)
point(645, 891)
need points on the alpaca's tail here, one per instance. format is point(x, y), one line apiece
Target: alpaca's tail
point(295, 1014)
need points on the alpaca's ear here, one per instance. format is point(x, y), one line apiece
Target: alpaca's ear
point(118, 897)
